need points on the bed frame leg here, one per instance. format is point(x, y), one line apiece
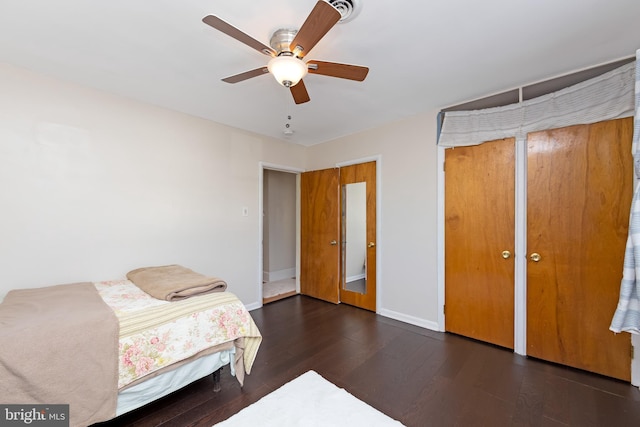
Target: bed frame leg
point(216, 381)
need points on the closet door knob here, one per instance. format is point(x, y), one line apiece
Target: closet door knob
point(506, 254)
point(333, 243)
point(371, 244)
point(535, 257)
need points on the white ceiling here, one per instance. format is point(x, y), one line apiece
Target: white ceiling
point(422, 54)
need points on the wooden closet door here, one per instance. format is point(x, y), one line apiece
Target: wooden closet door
point(578, 200)
point(479, 241)
point(320, 234)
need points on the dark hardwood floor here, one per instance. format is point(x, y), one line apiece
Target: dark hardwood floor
point(417, 376)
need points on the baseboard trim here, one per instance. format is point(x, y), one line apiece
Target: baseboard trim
point(355, 277)
point(273, 276)
point(253, 306)
point(416, 321)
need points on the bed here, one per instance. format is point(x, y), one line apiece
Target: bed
point(106, 348)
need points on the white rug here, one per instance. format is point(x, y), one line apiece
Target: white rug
point(309, 400)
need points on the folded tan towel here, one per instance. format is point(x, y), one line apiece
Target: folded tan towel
point(174, 282)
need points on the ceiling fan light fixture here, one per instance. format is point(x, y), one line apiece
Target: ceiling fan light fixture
point(287, 69)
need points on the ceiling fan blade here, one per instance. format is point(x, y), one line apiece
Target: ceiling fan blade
point(321, 19)
point(246, 75)
point(299, 92)
point(232, 31)
point(333, 69)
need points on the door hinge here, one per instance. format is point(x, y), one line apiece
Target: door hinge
point(632, 352)
point(444, 310)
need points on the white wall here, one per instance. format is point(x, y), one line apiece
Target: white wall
point(279, 224)
point(407, 238)
point(93, 185)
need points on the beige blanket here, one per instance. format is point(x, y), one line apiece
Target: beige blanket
point(59, 345)
point(174, 282)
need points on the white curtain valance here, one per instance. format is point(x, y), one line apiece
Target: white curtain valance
point(606, 97)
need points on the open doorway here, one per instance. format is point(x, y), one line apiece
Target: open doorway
point(279, 235)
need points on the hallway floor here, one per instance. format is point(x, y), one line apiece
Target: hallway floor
point(273, 291)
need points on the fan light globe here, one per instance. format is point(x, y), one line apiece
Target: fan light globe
point(288, 70)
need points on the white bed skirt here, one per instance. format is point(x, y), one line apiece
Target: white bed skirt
point(147, 391)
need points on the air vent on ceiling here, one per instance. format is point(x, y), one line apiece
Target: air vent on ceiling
point(349, 9)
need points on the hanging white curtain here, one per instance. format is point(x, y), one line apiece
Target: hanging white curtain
point(606, 97)
point(627, 314)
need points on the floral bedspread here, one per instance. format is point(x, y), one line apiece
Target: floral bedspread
point(156, 333)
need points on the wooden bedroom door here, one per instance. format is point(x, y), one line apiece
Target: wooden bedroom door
point(320, 234)
point(579, 192)
point(358, 250)
point(479, 241)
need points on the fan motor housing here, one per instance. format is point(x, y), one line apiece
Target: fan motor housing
point(281, 39)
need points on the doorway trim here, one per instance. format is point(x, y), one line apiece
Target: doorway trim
point(280, 168)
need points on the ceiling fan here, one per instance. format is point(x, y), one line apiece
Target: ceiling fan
point(289, 47)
